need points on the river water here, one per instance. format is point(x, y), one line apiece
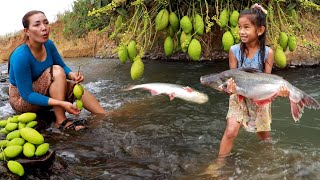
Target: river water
point(151, 137)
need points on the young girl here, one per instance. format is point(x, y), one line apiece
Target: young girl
point(38, 76)
point(251, 52)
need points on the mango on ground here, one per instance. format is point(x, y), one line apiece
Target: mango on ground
point(33, 123)
point(3, 123)
point(16, 142)
point(42, 149)
point(11, 126)
point(29, 149)
point(15, 167)
point(27, 117)
point(12, 151)
point(13, 134)
point(31, 135)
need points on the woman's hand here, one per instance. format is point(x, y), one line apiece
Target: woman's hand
point(70, 108)
point(231, 86)
point(76, 77)
point(283, 92)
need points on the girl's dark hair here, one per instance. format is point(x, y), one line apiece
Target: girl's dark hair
point(25, 23)
point(258, 18)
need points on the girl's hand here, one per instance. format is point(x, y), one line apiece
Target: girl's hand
point(75, 77)
point(70, 108)
point(284, 92)
point(231, 86)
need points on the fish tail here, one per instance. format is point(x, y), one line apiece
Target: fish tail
point(305, 101)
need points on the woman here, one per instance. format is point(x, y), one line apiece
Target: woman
point(39, 78)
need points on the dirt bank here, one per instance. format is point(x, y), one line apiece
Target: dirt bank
point(94, 45)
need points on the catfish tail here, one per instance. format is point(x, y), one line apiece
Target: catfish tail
point(305, 101)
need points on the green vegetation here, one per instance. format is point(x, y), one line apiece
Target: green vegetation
point(148, 22)
point(77, 23)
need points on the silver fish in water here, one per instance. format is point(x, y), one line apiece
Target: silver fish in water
point(173, 91)
point(262, 88)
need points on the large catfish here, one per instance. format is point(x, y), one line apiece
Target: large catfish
point(262, 88)
point(173, 90)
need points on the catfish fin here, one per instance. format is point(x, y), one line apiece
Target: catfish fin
point(153, 92)
point(188, 89)
point(240, 98)
point(171, 96)
point(263, 102)
point(305, 101)
point(266, 101)
point(249, 70)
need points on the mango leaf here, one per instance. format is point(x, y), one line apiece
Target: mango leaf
point(122, 11)
point(291, 6)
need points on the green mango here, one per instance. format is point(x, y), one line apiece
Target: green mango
point(3, 123)
point(29, 149)
point(3, 143)
point(31, 135)
point(27, 117)
point(13, 134)
point(168, 46)
point(79, 104)
point(2, 156)
point(11, 126)
point(21, 125)
point(12, 151)
point(16, 142)
point(42, 149)
point(162, 19)
point(13, 119)
point(78, 91)
point(4, 131)
point(32, 124)
point(16, 168)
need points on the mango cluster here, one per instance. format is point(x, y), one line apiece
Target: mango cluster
point(130, 52)
point(285, 42)
point(230, 23)
point(78, 92)
point(21, 140)
point(187, 30)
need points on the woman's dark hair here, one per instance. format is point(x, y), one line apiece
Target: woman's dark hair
point(25, 23)
point(258, 18)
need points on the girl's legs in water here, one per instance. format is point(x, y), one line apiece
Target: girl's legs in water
point(230, 134)
point(226, 144)
point(264, 135)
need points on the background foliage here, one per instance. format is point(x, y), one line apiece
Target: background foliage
point(88, 15)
